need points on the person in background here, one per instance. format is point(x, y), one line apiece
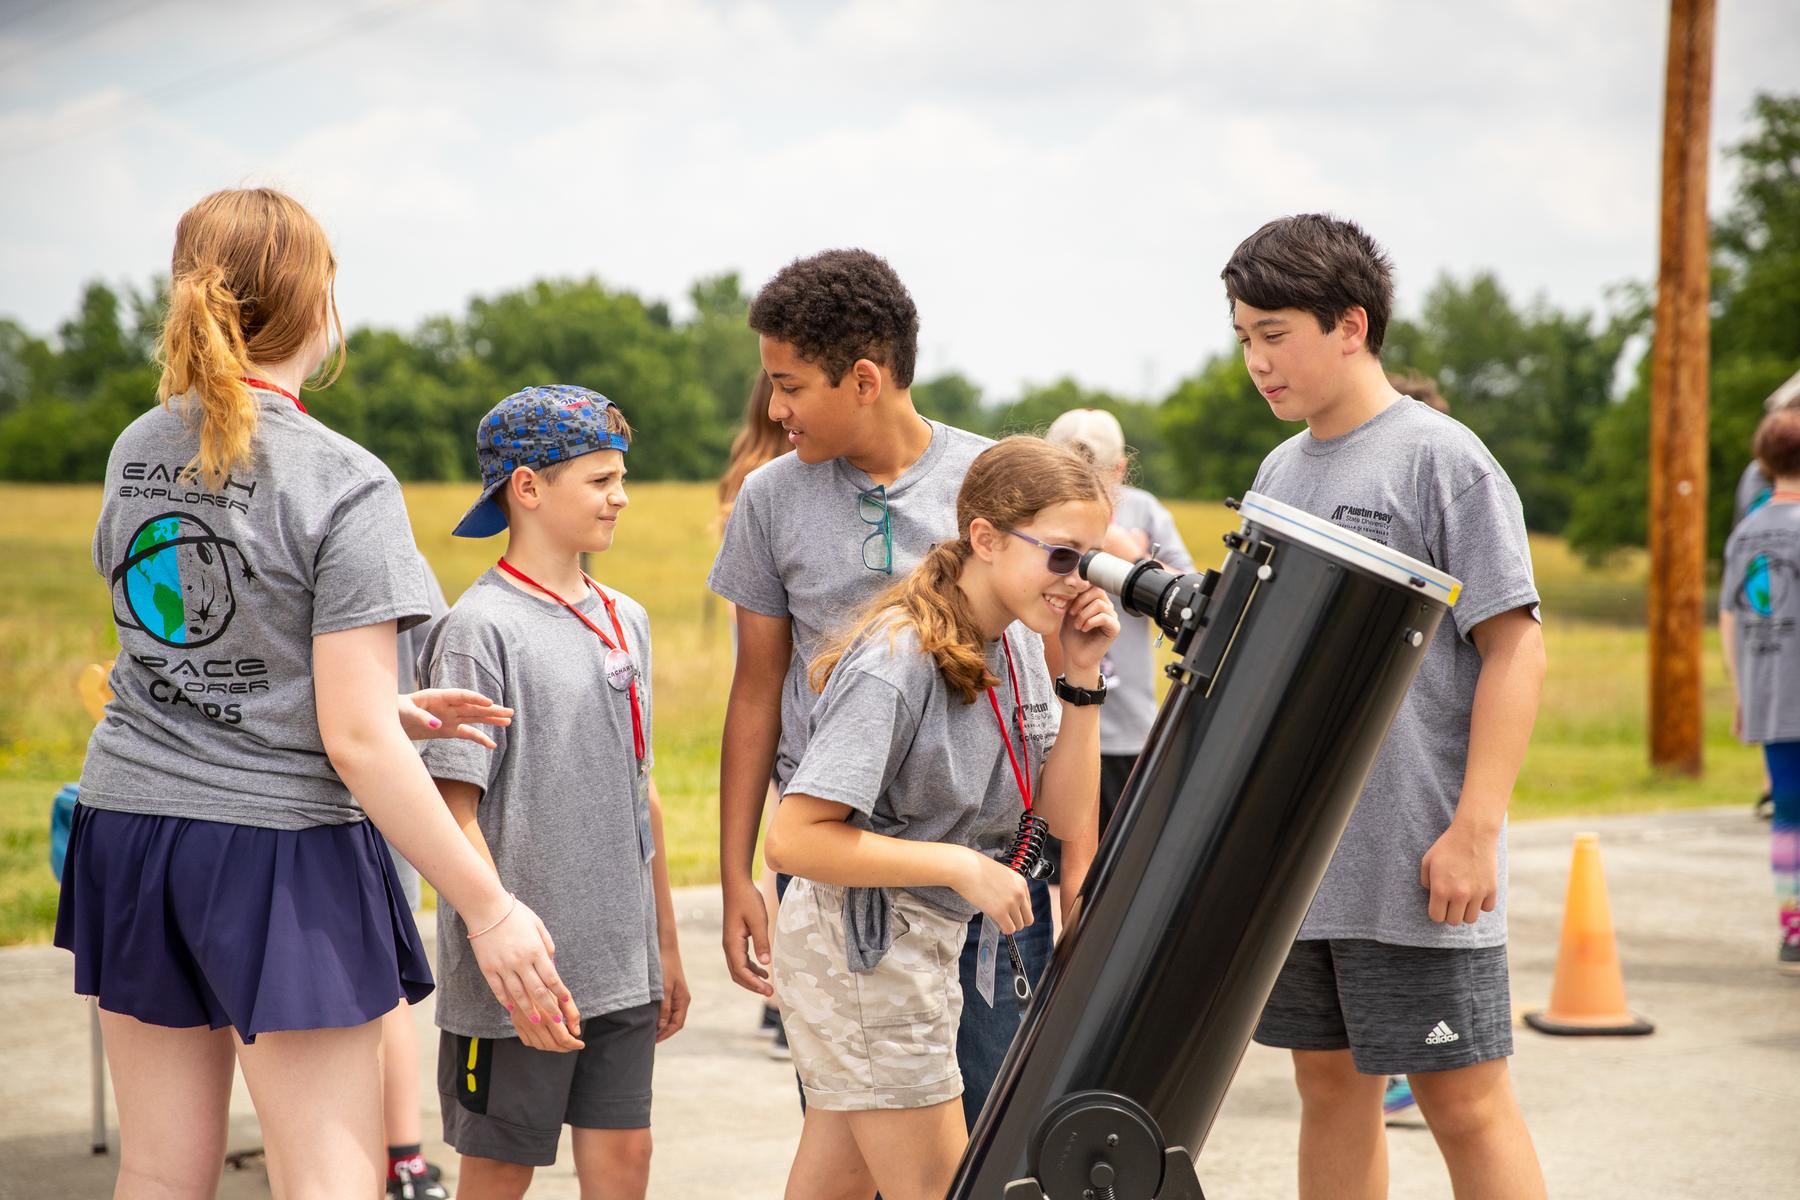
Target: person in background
point(1140, 525)
point(1759, 628)
point(1753, 489)
point(409, 1176)
point(1420, 387)
point(759, 440)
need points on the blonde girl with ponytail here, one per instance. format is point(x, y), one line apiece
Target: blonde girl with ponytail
point(224, 895)
point(935, 731)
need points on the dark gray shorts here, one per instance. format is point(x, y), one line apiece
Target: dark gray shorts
point(1397, 1009)
point(501, 1099)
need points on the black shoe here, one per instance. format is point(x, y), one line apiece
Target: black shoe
point(1765, 807)
point(771, 1018)
point(417, 1187)
point(778, 1049)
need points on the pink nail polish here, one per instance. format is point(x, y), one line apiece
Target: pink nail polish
point(435, 723)
point(507, 1007)
point(536, 1020)
point(557, 1018)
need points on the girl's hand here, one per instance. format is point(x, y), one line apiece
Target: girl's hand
point(517, 958)
point(996, 889)
point(554, 1034)
point(1089, 626)
point(450, 713)
point(675, 997)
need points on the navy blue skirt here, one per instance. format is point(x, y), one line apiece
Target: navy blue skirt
point(180, 923)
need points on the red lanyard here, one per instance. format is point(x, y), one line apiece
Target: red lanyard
point(637, 720)
point(266, 386)
point(1023, 777)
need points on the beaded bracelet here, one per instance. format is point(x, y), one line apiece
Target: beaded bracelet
point(509, 912)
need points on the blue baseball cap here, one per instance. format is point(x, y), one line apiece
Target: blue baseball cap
point(536, 427)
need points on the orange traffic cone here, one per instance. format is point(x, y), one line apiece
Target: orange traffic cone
point(1588, 995)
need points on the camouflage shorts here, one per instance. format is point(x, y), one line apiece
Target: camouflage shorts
point(884, 1039)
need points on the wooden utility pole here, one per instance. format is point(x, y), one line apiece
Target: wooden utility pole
point(1678, 368)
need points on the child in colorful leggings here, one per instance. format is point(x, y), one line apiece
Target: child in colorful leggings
point(1759, 624)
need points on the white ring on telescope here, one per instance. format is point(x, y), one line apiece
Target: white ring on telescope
point(1366, 554)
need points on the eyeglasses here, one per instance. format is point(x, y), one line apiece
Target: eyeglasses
point(1061, 560)
point(872, 507)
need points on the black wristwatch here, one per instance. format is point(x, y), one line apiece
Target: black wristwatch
point(1080, 697)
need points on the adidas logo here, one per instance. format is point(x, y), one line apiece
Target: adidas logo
point(1442, 1035)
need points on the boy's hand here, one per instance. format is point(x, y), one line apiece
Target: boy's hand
point(1462, 873)
point(1089, 626)
point(556, 1034)
point(450, 713)
point(747, 921)
point(675, 997)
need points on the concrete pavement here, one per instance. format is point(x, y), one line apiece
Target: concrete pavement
point(1702, 1107)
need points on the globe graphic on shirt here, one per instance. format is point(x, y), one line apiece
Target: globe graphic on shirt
point(176, 580)
point(1767, 581)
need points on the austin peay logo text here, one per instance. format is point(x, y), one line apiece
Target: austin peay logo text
point(1038, 719)
point(161, 481)
point(1370, 522)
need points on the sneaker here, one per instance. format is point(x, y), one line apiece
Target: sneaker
point(1787, 959)
point(1398, 1097)
point(778, 1048)
point(1765, 807)
point(407, 1186)
point(771, 1018)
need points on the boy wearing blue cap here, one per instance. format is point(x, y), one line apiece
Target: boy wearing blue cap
point(565, 808)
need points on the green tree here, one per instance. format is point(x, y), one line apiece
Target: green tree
point(1755, 345)
point(1217, 429)
point(954, 399)
point(580, 332)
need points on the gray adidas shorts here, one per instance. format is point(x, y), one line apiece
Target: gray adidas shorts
point(501, 1099)
point(1399, 1010)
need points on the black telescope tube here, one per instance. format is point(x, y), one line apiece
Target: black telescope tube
point(1295, 665)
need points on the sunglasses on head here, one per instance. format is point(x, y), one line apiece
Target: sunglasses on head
point(1062, 560)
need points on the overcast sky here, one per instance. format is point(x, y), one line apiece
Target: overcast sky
point(1059, 184)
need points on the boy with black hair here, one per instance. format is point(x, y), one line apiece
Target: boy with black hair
point(814, 537)
point(1400, 966)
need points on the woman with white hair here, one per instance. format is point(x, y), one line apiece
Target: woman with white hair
point(1140, 523)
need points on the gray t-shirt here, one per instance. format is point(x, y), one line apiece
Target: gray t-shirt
point(1420, 482)
point(1130, 671)
point(217, 596)
point(411, 644)
point(793, 548)
point(911, 760)
point(1760, 586)
point(1753, 488)
point(565, 809)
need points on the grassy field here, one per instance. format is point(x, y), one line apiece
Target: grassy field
point(1587, 757)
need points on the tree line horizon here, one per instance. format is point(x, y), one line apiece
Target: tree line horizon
point(1537, 383)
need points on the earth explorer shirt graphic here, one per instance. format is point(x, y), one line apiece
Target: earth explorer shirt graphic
point(1760, 586)
point(175, 583)
point(217, 594)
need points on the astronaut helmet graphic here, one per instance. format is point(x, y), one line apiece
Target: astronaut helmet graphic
point(175, 581)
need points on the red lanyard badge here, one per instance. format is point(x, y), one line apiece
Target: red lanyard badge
point(266, 386)
point(1023, 776)
point(1026, 855)
point(618, 658)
